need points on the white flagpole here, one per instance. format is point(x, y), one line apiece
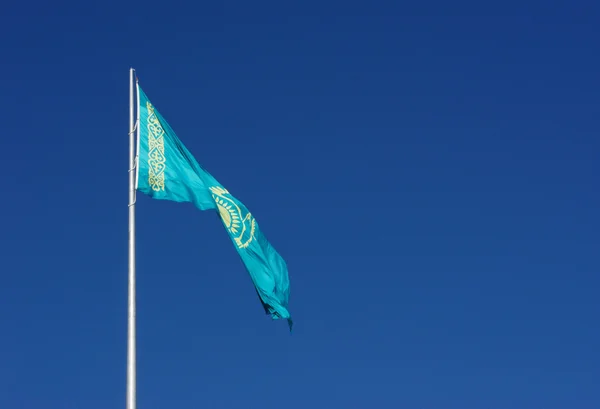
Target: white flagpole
point(131, 376)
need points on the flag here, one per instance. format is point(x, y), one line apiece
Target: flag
point(167, 170)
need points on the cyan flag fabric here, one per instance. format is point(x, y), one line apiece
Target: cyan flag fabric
point(168, 171)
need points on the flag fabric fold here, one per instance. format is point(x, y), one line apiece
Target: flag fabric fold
point(167, 170)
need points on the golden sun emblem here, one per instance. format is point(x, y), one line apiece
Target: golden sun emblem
point(241, 227)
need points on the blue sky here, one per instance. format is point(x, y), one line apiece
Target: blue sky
point(429, 172)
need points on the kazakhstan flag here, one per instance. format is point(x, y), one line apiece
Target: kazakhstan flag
point(168, 171)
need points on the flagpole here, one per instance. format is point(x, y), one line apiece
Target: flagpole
point(131, 355)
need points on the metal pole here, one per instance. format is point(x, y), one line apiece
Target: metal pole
point(131, 376)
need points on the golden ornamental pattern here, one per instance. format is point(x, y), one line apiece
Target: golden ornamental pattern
point(242, 229)
point(156, 151)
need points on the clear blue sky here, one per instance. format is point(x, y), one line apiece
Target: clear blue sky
point(429, 171)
